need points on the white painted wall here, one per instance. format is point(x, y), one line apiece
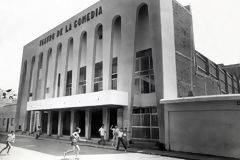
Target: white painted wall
point(204, 125)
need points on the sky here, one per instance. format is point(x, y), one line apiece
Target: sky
point(216, 25)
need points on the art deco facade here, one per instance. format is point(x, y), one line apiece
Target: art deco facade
point(111, 64)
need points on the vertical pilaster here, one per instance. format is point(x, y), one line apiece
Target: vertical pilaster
point(55, 60)
point(63, 66)
point(120, 117)
point(60, 123)
point(49, 125)
point(127, 63)
point(34, 78)
point(168, 49)
point(107, 57)
point(76, 59)
point(90, 59)
point(25, 95)
point(53, 75)
point(36, 82)
point(31, 122)
point(44, 75)
point(163, 42)
point(106, 121)
point(88, 119)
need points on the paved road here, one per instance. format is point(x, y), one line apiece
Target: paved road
point(31, 149)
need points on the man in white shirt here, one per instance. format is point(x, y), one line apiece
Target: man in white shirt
point(9, 142)
point(75, 137)
point(102, 132)
point(120, 139)
point(115, 133)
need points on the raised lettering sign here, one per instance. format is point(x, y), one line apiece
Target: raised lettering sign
point(78, 22)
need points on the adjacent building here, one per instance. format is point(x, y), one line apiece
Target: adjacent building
point(111, 64)
point(7, 114)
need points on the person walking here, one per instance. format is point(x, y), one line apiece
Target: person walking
point(9, 142)
point(38, 132)
point(115, 134)
point(75, 137)
point(102, 133)
point(120, 139)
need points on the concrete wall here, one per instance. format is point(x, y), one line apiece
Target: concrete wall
point(184, 47)
point(205, 125)
point(188, 76)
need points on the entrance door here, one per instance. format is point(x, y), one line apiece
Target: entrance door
point(66, 122)
point(44, 121)
point(96, 122)
point(80, 122)
point(54, 122)
point(7, 125)
point(28, 120)
point(113, 120)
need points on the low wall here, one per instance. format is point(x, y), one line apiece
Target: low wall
point(205, 125)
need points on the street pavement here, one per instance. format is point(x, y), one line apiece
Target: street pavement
point(26, 148)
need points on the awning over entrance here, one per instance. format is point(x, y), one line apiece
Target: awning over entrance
point(109, 97)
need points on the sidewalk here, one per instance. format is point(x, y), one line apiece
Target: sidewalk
point(135, 149)
point(26, 154)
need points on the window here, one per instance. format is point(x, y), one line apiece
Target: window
point(12, 121)
point(98, 77)
point(213, 70)
point(4, 119)
point(222, 80)
point(41, 61)
point(69, 83)
point(99, 32)
point(114, 73)
point(82, 80)
point(229, 82)
point(235, 84)
point(58, 84)
point(202, 64)
point(144, 76)
point(145, 123)
point(59, 78)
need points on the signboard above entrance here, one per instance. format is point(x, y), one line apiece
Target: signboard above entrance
point(76, 23)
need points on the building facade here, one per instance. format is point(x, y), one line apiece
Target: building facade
point(112, 66)
point(7, 114)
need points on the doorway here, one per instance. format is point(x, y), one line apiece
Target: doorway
point(96, 122)
point(55, 122)
point(28, 120)
point(80, 122)
point(66, 122)
point(44, 121)
point(113, 120)
point(7, 125)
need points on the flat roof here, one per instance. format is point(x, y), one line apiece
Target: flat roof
point(225, 97)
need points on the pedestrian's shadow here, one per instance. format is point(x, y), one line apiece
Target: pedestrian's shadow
point(2, 155)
